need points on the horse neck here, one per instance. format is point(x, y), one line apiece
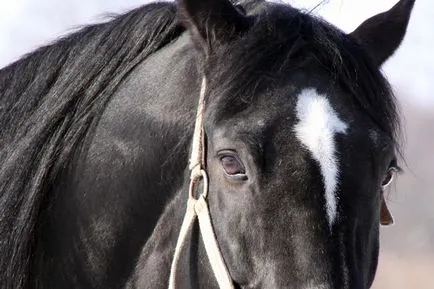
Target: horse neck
point(178, 105)
point(153, 267)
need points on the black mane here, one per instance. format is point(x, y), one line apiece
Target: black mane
point(49, 100)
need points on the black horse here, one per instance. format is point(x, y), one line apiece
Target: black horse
point(301, 133)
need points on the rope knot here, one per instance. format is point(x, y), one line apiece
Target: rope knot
point(197, 175)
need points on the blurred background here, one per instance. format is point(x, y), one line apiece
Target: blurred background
point(407, 248)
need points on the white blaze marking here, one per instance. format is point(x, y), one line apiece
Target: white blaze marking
point(318, 123)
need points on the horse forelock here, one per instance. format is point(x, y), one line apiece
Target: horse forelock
point(284, 41)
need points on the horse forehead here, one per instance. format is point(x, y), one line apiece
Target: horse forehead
point(316, 127)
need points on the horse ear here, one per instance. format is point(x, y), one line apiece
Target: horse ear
point(211, 21)
point(383, 33)
point(386, 218)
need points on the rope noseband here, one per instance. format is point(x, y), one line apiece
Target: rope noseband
point(198, 207)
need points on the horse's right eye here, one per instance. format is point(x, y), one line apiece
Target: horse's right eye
point(388, 177)
point(232, 165)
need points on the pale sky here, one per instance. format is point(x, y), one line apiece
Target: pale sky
point(27, 24)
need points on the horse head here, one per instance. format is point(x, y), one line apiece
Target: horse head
point(301, 134)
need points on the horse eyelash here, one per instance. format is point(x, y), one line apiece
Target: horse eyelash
point(394, 164)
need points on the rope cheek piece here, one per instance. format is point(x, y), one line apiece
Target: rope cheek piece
point(198, 207)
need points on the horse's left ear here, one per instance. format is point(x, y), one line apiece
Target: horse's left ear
point(211, 21)
point(386, 218)
point(382, 34)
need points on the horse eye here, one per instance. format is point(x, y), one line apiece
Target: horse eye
point(388, 178)
point(232, 166)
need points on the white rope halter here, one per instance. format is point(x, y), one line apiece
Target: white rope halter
point(198, 207)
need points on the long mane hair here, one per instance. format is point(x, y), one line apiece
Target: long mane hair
point(48, 101)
